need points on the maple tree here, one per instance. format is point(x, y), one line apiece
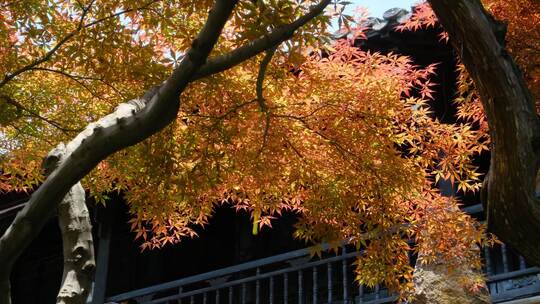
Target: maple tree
point(251, 115)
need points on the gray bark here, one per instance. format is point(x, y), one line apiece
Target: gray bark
point(77, 241)
point(129, 124)
point(513, 211)
point(435, 284)
point(79, 260)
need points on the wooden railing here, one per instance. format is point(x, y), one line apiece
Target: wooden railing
point(296, 277)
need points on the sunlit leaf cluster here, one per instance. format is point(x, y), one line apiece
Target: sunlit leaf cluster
point(342, 137)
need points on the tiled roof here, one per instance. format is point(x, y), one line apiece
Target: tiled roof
point(381, 26)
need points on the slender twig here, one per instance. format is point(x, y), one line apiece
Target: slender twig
point(145, 6)
point(229, 112)
point(260, 98)
point(75, 78)
point(50, 53)
point(294, 149)
point(339, 147)
point(36, 62)
point(260, 78)
point(19, 106)
point(64, 73)
point(84, 13)
point(8, 77)
point(21, 132)
point(117, 91)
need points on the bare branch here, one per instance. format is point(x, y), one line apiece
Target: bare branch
point(294, 149)
point(85, 11)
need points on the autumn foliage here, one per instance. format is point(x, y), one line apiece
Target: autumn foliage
point(343, 137)
point(522, 21)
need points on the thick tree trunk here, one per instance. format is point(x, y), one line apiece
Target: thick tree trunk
point(77, 241)
point(79, 260)
point(513, 211)
point(5, 293)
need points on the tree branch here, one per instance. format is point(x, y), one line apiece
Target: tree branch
point(230, 111)
point(260, 78)
point(10, 76)
point(129, 124)
point(223, 62)
point(513, 212)
point(64, 73)
point(53, 123)
point(259, 89)
point(76, 78)
point(77, 240)
point(144, 6)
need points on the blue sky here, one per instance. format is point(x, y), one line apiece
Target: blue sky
point(378, 7)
